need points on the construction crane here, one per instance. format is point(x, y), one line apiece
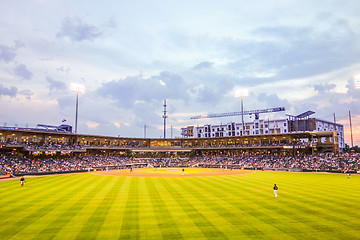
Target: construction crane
point(249, 112)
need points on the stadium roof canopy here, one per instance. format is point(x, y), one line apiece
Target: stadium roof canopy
point(305, 114)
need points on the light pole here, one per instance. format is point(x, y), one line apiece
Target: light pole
point(78, 88)
point(241, 94)
point(165, 116)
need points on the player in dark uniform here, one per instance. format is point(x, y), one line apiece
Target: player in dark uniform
point(22, 180)
point(275, 190)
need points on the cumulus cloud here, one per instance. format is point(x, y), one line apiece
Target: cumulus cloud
point(55, 85)
point(7, 54)
point(11, 92)
point(63, 69)
point(22, 71)
point(294, 52)
point(272, 100)
point(76, 30)
point(26, 93)
point(126, 92)
point(321, 88)
point(213, 93)
point(203, 65)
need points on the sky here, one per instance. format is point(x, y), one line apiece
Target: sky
point(132, 55)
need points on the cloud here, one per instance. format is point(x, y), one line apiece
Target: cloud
point(27, 94)
point(22, 71)
point(272, 100)
point(293, 52)
point(203, 65)
point(213, 93)
point(12, 91)
point(92, 124)
point(7, 54)
point(55, 85)
point(324, 87)
point(63, 69)
point(77, 30)
point(126, 92)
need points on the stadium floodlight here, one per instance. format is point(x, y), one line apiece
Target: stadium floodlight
point(78, 88)
point(241, 93)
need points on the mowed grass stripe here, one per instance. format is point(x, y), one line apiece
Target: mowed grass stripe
point(215, 197)
point(32, 187)
point(30, 198)
point(68, 208)
point(328, 203)
point(89, 194)
point(94, 224)
point(312, 223)
point(252, 204)
point(72, 207)
point(111, 228)
point(317, 218)
point(313, 199)
point(148, 222)
point(310, 206)
point(32, 220)
point(183, 222)
point(200, 219)
point(319, 183)
point(227, 220)
point(168, 228)
point(130, 224)
point(29, 181)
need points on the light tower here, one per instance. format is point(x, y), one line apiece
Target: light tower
point(241, 94)
point(78, 88)
point(164, 116)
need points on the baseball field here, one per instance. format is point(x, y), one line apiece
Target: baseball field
point(164, 204)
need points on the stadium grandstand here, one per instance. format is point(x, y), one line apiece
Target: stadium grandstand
point(42, 151)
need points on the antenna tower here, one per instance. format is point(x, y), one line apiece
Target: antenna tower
point(164, 116)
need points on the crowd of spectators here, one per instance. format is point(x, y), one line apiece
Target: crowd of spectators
point(10, 164)
point(314, 162)
point(53, 147)
point(64, 146)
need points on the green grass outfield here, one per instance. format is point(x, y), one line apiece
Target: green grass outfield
point(89, 206)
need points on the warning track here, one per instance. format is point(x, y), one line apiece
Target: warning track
point(172, 173)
